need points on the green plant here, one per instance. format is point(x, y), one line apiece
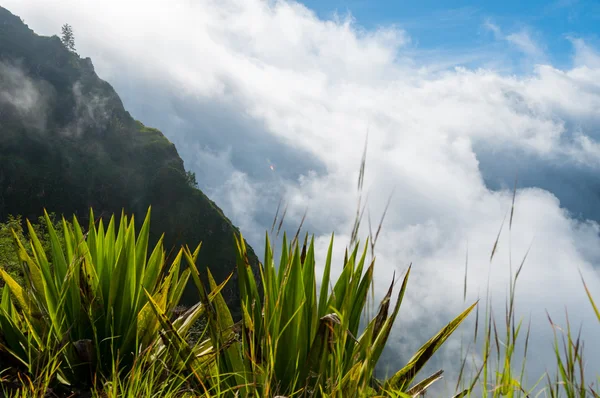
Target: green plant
point(570, 375)
point(9, 258)
point(498, 378)
point(496, 375)
point(292, 341)
point(97, 308)
point(94, 302)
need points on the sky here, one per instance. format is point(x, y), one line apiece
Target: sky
point(269, 101)
point(467, 26)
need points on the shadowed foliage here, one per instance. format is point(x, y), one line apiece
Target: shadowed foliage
point(68, 144)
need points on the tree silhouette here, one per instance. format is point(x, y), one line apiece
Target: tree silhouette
point(67, 38)
point(190, 178)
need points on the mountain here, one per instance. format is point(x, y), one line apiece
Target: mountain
point(68, 144)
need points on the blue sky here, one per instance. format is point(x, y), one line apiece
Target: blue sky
point(462, 27)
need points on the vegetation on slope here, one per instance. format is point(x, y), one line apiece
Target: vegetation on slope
point(68, 144)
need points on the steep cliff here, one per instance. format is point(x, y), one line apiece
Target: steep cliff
point(68, 144)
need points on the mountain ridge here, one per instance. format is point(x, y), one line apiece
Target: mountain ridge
point(67, 144)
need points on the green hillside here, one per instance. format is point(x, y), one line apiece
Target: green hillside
point(68, 144)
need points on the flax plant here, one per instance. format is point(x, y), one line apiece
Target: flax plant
point(96, 300)
point(293, 341)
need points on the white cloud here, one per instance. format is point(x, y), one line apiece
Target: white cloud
point(241, 198)
point(495, 29)
point(585, 56)
point(25, 96)
point(523, 41)
point(307, 90)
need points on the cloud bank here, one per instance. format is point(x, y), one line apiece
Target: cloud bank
point(266, 101)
